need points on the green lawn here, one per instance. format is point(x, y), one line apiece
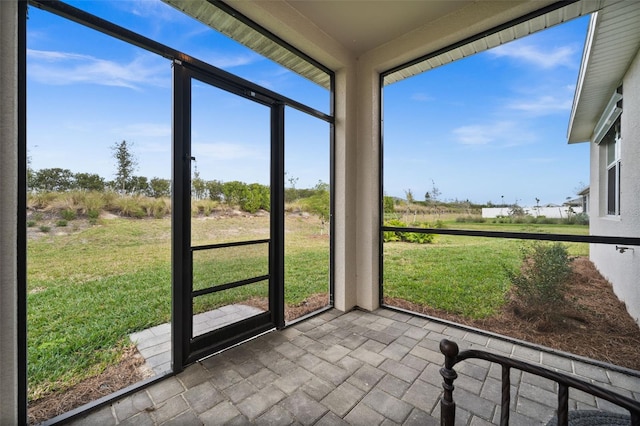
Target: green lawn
point(90, 288)
point(462, 275)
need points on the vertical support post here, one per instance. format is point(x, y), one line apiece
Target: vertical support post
point(563, 404)
point(181, 219)
point(447, 406)
point(506, 396)
point(276, 248)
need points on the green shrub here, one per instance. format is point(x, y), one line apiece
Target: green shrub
point(409, 237)
point(93, 214)
point(44, 228)
point(61, 223)
point(541, 281)
point(577, 219)
point(31, 223)
point(419, 238)
point(389, 205)
point(68, 215)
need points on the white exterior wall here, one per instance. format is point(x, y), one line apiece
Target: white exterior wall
point(621, 269)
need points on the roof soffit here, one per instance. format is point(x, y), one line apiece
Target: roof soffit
point(612, 43)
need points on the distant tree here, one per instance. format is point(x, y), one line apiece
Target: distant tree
point(159, 187)
point(30, 174)
point(320, 202)
point(291, 194)
point(126, 164)
point(233, 192)
point(198, 185)
point(435, 192)
point(409, 196)
point(54, 179)
point(389, 205)
point(89, 182)
point(137, 185)
point(293, 181)
point(214, 188)
point(321, 186)
point(255, 197)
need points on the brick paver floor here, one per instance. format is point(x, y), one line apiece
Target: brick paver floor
point(359, 368)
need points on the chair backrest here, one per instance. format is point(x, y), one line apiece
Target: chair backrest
point(452, 356)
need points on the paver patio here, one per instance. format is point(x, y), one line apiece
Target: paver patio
point(360, 368)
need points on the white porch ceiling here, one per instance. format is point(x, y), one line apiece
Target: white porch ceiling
point(361, 26)
point(355, 28)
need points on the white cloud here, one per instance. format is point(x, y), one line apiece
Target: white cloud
point(563, 56)
point(542, 105)
point(501, 133)
point(64, 68)
point(152, 9)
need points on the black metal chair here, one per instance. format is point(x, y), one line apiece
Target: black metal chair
point(452, 356)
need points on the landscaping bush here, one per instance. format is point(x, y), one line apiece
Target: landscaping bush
point(541, 281)
point(68, 214)
point(409, 237)
point(577, 219)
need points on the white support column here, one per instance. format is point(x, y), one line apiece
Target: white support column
point(345, 188)
point(8, 209)
point(367, 190)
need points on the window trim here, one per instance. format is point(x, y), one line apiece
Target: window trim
point(613, 164)
point(611, 113)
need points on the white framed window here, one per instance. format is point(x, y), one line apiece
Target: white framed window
point(611, 143)
point(607, 134)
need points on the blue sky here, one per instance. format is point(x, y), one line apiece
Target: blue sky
point(87, 91)
point(488, 126)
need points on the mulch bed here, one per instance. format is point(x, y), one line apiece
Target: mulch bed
point(593, 322)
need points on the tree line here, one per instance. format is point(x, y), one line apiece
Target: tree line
point(249, 197)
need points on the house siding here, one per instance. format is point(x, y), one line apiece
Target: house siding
point(621, 269)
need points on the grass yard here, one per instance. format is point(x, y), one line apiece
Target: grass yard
point(91, 286)
point(462, 275)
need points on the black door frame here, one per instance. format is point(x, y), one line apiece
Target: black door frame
point(187, 349)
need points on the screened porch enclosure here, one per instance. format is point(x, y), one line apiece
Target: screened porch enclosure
point(278, 224)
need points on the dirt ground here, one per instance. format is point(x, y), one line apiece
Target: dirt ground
point(594, 324)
